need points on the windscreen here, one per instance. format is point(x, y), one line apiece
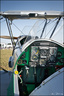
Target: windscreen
point(38, 28)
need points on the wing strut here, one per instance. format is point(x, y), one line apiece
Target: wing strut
point(55, 27)
point(10, 31)
point(43, 28)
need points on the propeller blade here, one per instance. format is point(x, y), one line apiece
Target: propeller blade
point(8, 37)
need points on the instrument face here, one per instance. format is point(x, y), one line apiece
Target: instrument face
point(34, 53)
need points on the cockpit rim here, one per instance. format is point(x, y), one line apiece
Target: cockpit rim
point(28, 43)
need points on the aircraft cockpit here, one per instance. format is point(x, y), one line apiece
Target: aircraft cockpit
point(37, 62)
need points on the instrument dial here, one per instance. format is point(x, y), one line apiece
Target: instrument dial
point(34, 53)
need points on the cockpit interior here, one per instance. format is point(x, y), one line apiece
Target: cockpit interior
point(39, 60)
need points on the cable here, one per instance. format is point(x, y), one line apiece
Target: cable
point(30, 31)
point(52, 20)
point(18, 28)
point(58, 30)
point(50, 30)
point(1, 17)
point(41, 23)
point(2, 21)
point(52, 27)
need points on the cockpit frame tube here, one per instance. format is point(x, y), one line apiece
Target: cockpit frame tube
point(43, 28)
point(10, 31)
point(55, 27)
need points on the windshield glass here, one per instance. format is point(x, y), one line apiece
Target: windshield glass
point(37, 28)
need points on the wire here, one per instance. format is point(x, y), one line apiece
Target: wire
point(47, 23)
point(41, 23)
point(52, 21)
point(18, 28)
point(49, 31)
point(58, 30)
point(30, 31)
point(2, 21)
point(52, 26)
point(1, 17)
point(38, 26)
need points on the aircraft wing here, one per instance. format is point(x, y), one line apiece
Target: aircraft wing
point(11, 15)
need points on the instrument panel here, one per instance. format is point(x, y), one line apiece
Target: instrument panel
point(42, 54)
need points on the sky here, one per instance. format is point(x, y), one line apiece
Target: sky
point(43, 5)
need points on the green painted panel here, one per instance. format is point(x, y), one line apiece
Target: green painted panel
point(60, 49)
point(51, 70)
point(30, 88)
point(27, 56)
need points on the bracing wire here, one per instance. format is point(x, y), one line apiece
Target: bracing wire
point(38, 26)
point(1, 17)
point(52, 21)
point(52, 27)
point(41, 28)
point(18, 28)
point(30, 31)
point(47, 23)
point(2, 21)
point(32, 28)
point(58, 30)
point(49, 31)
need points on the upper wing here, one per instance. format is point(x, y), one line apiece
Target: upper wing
point(11, 15)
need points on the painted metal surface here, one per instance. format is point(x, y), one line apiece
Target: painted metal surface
point(53, 85)
point(5, 78)
point(31, 14)
point(60, 48)
point(16, 87)
point(33, 40)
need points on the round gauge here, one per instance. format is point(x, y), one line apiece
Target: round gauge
point(35, 50)
point(19, 61)
point(52, 58)
point(23, 56)
point(34, 57)
point(34, 53)
point(59, 54)
point(53, 51)
point(62, 60)
point(24, 61)
point(44, 52)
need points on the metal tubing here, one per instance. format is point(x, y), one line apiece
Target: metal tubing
point(43, 29)
point(10, 31)
point(55, 27)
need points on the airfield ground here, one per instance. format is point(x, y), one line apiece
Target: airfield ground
point(5, 77)
point(4, 57)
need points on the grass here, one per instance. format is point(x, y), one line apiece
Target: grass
point(4, 58)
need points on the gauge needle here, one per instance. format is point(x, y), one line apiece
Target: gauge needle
point(37, 51)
